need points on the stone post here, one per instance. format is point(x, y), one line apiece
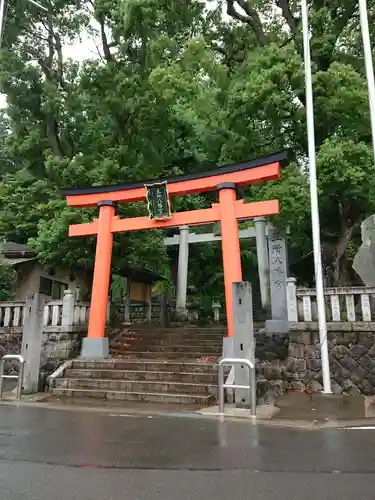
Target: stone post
point(149, 307)
point(216, 306)
point(127, 302)
point(291, 299)
point(243, 338)
point(108, 313)
point(68, 309)
point(263, 261)
point(182, 272)
point(32, 341)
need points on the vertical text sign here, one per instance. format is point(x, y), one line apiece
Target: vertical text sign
point(158, 201)
point(278, 274)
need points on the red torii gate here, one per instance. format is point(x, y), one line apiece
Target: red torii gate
point(228, 211)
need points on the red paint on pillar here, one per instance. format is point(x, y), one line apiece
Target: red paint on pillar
point(102, 271)
point(230, 247)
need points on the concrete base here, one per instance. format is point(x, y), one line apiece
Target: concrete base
point(278, 325)
point(262, 411)
point(95, 348)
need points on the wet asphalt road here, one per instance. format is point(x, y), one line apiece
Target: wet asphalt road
point(64, 455)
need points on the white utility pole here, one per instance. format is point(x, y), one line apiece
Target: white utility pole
point(369, 66)
point(2, 15)
point(2, 20)
point(314, 204)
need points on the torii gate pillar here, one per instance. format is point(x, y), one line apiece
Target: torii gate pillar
point(95, 345)
point(230, 245)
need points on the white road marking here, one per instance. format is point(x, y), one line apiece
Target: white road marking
point(361, 428)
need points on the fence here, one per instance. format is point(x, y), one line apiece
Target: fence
point(347, 304)
point(57, 313)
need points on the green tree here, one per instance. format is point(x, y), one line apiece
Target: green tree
point(179, 88)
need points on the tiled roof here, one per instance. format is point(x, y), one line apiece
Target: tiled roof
point(10, 249)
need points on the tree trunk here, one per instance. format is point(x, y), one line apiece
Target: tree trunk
point(343, 241)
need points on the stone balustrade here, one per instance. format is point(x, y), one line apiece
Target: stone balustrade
point(12, 314)
point(346, 304)
point(64, 313)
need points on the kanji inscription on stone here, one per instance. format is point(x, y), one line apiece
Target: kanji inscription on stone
point(278, 273)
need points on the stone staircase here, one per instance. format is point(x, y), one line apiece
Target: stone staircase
point(158, 365)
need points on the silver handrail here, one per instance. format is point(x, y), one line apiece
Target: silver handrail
point(252, 385)
point(19, 377)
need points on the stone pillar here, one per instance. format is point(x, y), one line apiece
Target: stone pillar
point(32, 341)
point(263, 261)
point(291, 298)
point(127, 302)
point(108, 313)
point(68, 309)
point(278, 274)
point(182, 272)
point(243, 338)
point(149, 307)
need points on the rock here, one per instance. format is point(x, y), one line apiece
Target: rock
point(296, 384)
point(296, 350)
point(350, 388)
point(312, 352)
point(367, 363)
point(358, 350)
point(339, 351)
point(366, 387)
point(296, 365)
point(315, 386)
point(349, 363)
point(336, 388)
point(366, 339)
point(358, 375)
point(271, 346)
point(313, 364)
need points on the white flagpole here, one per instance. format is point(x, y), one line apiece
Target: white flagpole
point(2, 20)
point(369, 66)
point(314, 204)
point(2, 12)
point(38, 5)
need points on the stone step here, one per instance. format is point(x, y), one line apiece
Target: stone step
point(136, 386)
point(181, 337)
point(173, 376)
point(171, 329)
point(194, 399)
point(165, 348)
point(168, 341)
point(166, 355)
point(145, 365)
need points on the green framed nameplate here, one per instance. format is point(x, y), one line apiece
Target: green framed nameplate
point(157, 198)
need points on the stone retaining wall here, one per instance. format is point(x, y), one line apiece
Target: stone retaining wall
point(351, 354)
point(297, 366)
point(57, 346)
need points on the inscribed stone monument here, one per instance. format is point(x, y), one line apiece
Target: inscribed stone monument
point(278, 281)
point(364, 261)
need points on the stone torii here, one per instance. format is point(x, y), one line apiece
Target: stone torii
point(185, 238)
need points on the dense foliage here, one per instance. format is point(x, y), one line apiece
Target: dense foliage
point(181, 85)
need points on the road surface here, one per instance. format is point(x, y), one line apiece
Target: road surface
point(77, 455)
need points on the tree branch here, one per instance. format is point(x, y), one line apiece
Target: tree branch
point(251, 18)
point(105, 45)
point(288, 16)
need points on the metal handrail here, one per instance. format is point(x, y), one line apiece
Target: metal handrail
point(252, 385)
point(19, 377)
